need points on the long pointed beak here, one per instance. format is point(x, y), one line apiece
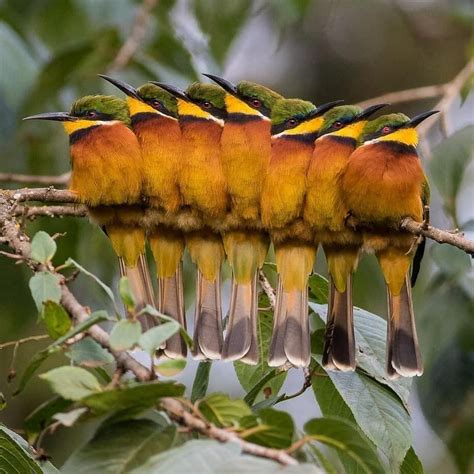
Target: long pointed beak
point(415, 121)
point(320, 110)
point(226, 85)
point(56, 116)
point(366, 113)
point(123, 86)
point(179, 93)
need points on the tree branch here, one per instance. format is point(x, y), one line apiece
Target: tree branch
point(31, 212)
point(267, 288)
point(61, 179)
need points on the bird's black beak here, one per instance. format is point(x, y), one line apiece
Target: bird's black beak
point(366, 113)
point(415, 121)
point(179, 93)
point(56, 116)
point(226, 85)
point(123, 86)
point(320, 110)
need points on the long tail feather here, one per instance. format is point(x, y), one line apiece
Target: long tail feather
point(403, 353)
point(416, 265)
point(252, 356)
point(339, 344)
point(208, 318)
point(171, 303)
point(141, 286)
point(276, 350)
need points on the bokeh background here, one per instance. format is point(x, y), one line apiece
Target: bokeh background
point(320, 50)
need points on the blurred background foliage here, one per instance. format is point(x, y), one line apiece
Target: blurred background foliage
point(52, 50)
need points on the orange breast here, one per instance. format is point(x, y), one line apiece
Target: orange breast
point(323, 210)
point(381, 185)
point(246, 149)
point(201, 179)
point(107, 166)
point(160, 143)
point(284, 185)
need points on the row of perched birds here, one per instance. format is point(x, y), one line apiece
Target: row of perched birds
point(225, 169)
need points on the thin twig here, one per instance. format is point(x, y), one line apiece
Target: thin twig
point(23, 341)
point(137, 35)
point(267, 288)
point(61, 179)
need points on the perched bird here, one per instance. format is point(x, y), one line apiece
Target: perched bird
point(104, 150)
point(154, 120)
point(201, 110)
point(382, 183)
point(295, 124)
point(246, 149)
point(324, 213)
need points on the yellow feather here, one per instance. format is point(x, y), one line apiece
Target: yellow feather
point(408, 136)
point(128, 242)
point(236, 106)
point(294, 263)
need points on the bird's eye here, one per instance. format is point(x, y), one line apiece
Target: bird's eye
point(155, 103)
point(207, 105)
point(386, 129)
point(92, 114)
point(292, 122)
point(337, 124)
point(256, 103)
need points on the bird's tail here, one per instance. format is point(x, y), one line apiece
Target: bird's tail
point(207, 252)
point(403, 353)
point(339, 343)
point(290, 339)
point(246, 252)
point(167, 247)
point(129, 245)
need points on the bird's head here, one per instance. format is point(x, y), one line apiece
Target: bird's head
point(347, 121)
point(89, 111)
point(247, 99)
point(199, 101)
point(394, 128)
point(147, 99)
point(298, 118)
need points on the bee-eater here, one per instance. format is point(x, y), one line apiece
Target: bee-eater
point(295, 124)
point(154, 119)
point(201, 182)
point(382, 183)
point(246, 149)
point(323, 211)
point(104, 151)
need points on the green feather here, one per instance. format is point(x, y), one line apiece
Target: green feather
point(342, 113)
point(151, 91)
point(251, 90)
point(207, 92)
point(105, 104)
point(285, 109)
point(374, 126)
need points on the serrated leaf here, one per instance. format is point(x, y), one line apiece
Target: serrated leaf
point(318, 288)
point(151, 340)
point(136, 396)
point(43, 247)
point(271, 428)
point(223, 411)
point(201, 380)
point(114, 450)
point(126, 293)
point(45, 286)
point(171, 367)
point(72, 383)
point(89, 353)
point(347, 440)
point(56, 320)
point(124, 335)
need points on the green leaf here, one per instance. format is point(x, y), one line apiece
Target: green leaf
point(223, 411)
point(451, 260)
point(151, 340)
point(45, 286)
point(212, 457)
point(56, 319)
point(121, 447)
point(411, 464)
point(250, 375)
point(318, 288)
point(72, 383)
point(43, 247)
point(126, 293)
point(272, 428)
point(170, 367)
point(89, 353)
point(125, 334)
point(70, 418)
point(41, 356)
point(15, 455)
point(201, 380)
point(137, 396)
point(450, 159)
point(257, 388)
point(42, 416)
point(347, 440)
